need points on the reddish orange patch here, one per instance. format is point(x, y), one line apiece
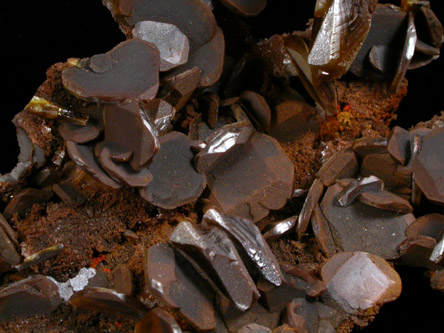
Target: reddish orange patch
point(96, 261)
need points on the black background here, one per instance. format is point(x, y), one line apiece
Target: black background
point(37, 33)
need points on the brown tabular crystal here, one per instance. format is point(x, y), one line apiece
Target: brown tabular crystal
point(387, 169)
point(209, 106)
point(428, 165)
point(8, 230)
point(169, 11)
point(209, 58)
point(258, 109)
point(245, 7)
point(322, 232)
point(388, 26)
point(359, 227)
point(21, 202)
point(378, 58)
point(352, 190)
point(252, 180)
point(175, 181)
point(121, 171)
point(80, 134)
point(343, 164)
point(171, 279)
point(123, 280)
point(434, 26)
point(415, 252)
point(398, 145)
point(69, 194)
point(324, 93)
point(177, 89)
point(387, 201)
point(215, 257)
point(36, 295)
point(313, 196)
point(130, 70)
point(359, 282)
point(171, 42)
point(275, 299)
point(367, 146)
point(236, 319)
point(157, 320)
point(83, 155)
point(292, 119)
point(127, 125)
point(431, 225)
point(107, 301)
point(9, 256)
point(248, 237)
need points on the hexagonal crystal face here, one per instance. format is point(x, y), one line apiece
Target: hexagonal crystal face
point(362, 281)
point(171, 42)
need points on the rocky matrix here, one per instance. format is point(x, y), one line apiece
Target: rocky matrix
point(198, 178)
